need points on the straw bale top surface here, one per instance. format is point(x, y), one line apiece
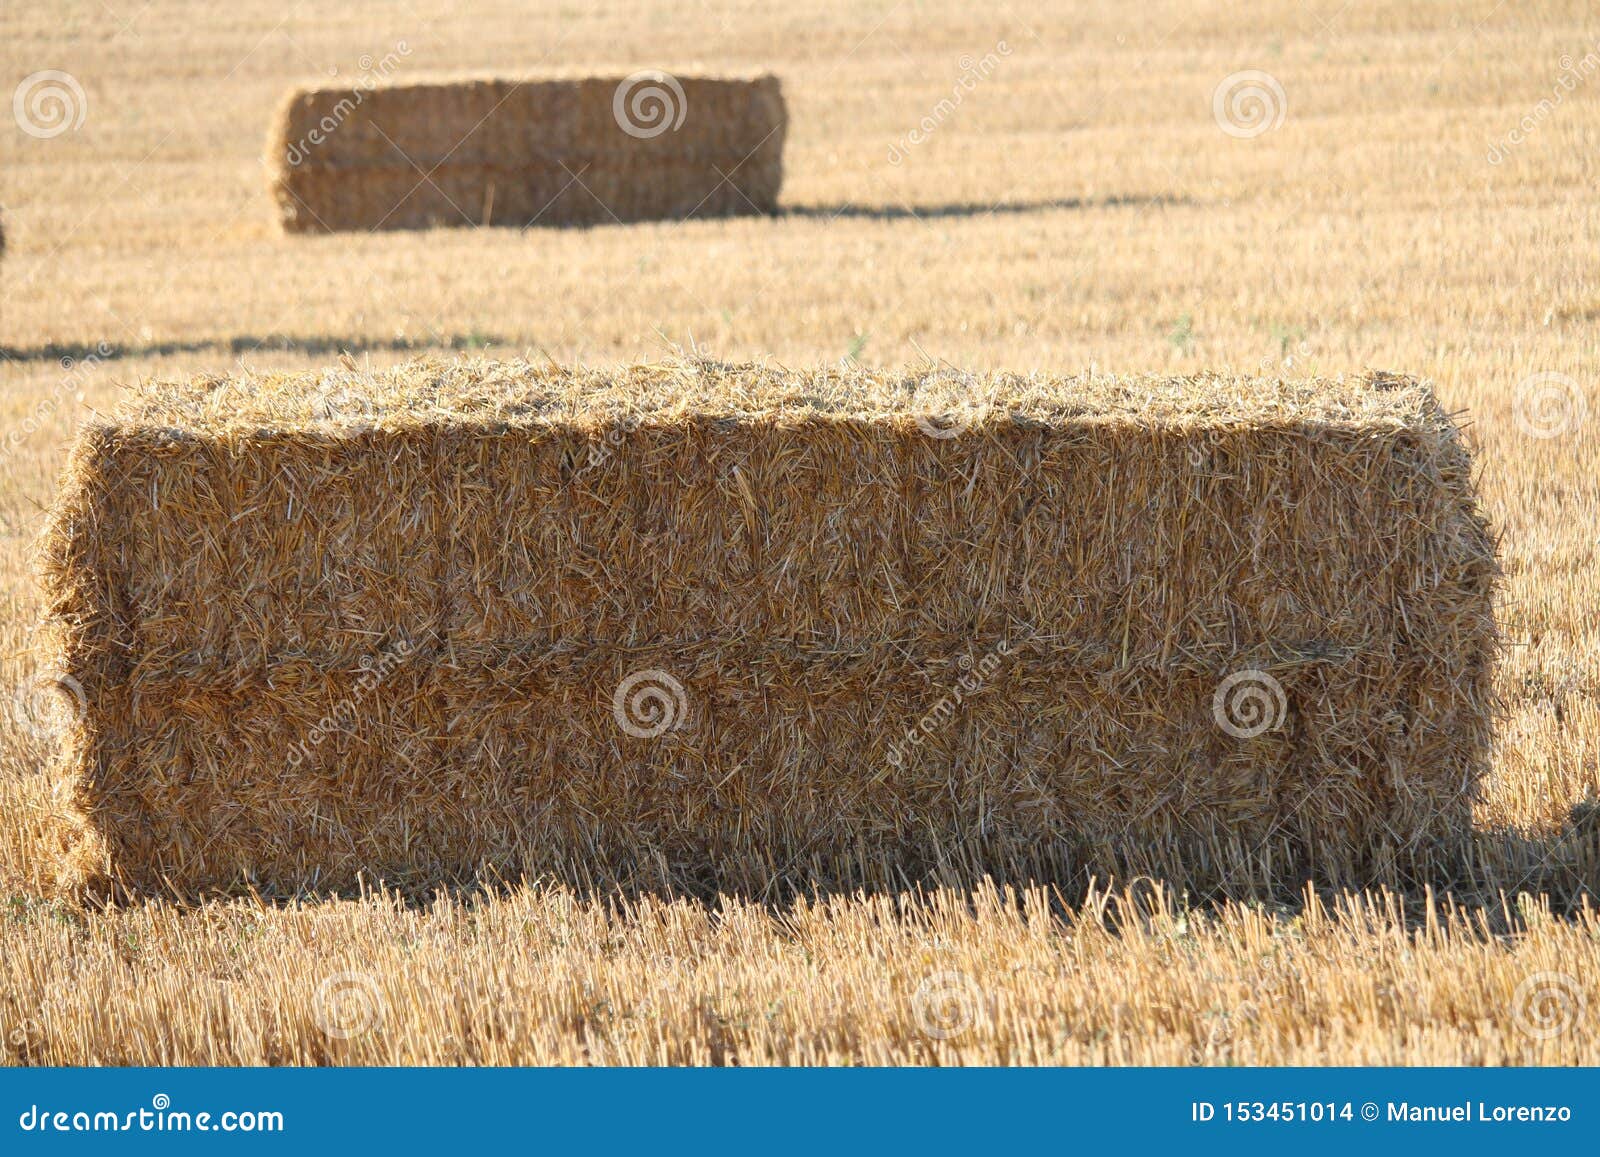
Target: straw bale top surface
point(433, 392)
point(691, 74)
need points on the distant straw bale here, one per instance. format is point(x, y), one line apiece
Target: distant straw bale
point(551, 151)
point(698, 626)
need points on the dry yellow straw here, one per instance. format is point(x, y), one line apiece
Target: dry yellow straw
point(704, 626)
point(546, 151)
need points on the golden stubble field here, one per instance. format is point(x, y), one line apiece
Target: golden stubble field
point(1421, 199)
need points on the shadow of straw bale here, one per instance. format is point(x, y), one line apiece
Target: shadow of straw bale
point(1489, 873)
point(244, 344)
point(853, 211)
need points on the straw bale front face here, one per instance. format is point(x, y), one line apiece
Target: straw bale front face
point(714, 626)
point(554, 151)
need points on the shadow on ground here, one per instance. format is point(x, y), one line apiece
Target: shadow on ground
point(1497, 877)
point(850, 210)
point(72, 354)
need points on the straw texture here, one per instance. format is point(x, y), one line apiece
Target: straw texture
point(708, 626)
point(551, 151)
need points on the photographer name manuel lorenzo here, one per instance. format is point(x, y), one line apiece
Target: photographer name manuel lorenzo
point(1478, 1111)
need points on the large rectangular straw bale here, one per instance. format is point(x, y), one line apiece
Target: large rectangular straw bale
point(548, 151)
point(700, 625)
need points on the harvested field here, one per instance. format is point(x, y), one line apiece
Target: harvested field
point(540, 976)
point(540, 151)
point(1074, 203)
point(699, 627)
